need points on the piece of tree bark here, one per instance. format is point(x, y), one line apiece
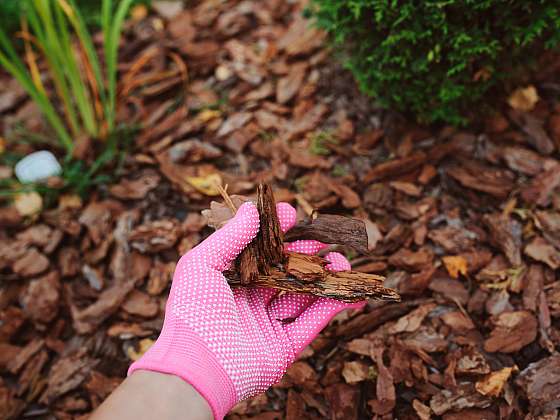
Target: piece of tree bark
point(263, 263)
point(270, 243)
point(332, 229)
point(307, 274)
point(266, 249)
point(247, 265)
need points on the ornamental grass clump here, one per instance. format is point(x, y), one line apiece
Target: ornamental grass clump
point(77, 93)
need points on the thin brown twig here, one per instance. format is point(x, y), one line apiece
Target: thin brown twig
point(226, 197)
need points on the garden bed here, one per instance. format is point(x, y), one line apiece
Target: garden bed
point(241, 93)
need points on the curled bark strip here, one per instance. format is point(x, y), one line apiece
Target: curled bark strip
point(332, 229)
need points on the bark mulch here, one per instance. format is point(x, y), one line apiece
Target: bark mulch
point(467, 228)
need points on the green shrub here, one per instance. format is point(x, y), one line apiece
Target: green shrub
point(436, 58)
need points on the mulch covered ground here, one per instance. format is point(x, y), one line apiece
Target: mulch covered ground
point(241, 92)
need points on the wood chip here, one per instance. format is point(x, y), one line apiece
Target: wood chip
point(154, 236)
point(40, 299)
point(355, 372)
point(464, 396)
point(31, 263)
point(512, 331)
point(540, 250)
point(140, 304)
point(67, 374)
point(541, 385)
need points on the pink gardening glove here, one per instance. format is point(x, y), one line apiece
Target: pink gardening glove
point(230, 345)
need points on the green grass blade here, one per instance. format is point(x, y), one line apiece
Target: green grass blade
point(78, 23)
point(13, 64)
point(48, 40)
point(73, 75)
point(111, 49)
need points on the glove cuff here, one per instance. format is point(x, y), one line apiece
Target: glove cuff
point(187, 356)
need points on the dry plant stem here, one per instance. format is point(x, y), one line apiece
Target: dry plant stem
point(332, 229)
point(227, 198)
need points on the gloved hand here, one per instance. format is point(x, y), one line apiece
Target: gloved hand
point(230, 345)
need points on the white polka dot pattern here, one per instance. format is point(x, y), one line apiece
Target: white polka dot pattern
point(227, 344)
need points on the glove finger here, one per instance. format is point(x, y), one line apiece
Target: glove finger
point(337, 262)
point(311, 321)
point(309, 247)
point(287, 216)
point(318, 313)
point(223, 246)
point(290, 305)
point(266, 294)
point(199, 294)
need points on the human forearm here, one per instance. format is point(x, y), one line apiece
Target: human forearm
point(152, 395)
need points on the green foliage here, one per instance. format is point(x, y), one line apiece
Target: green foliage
point(11, 10)
point(436, 58)
point(319, 143)
point(85, 99)
point(339, 170)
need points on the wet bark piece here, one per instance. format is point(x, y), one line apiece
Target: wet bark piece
point(248, 266)
point(411, 260)
point(332, 229)
point(464, 396)
point(488, 179)
point(23, 357)
point(539, 190)
point(540, 381)
point(505, 233)
point(270, 238)
point(40, 299)
point(295, 406)
point(348, 286)
point(86, 320)
point(512, 331)
point(549, 223)
point(536, 134)
point(395, 167)
point(155, 236)
point(524, 160)
point(385, 389)
point(364, 323)
point(540, 250)
point(344, 401)
point(67, 374)
point(31, 263)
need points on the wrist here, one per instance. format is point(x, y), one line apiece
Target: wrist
point(178, 396)
point(149, 395)
point(186, 356)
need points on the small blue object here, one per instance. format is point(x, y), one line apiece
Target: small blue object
point(38, 166)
